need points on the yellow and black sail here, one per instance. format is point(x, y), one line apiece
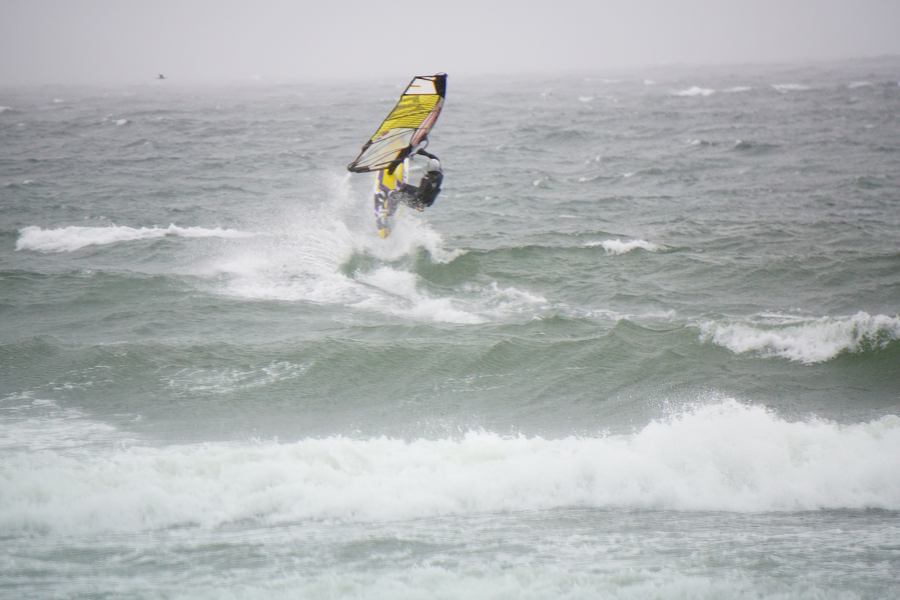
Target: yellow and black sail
point(405, 127)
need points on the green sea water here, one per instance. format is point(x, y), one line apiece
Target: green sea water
point(646, 343)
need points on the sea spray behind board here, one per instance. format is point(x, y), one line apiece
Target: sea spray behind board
point(644, 345)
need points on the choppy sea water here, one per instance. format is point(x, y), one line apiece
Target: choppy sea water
point(646, 344)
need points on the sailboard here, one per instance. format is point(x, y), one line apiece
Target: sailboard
point(387, 206)
point(399, 136)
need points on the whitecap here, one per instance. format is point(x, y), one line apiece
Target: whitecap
point(789, 87)
point(695, 91)
point(402, 297)
point(802, 339)
point(69, 239)
point(617, 246)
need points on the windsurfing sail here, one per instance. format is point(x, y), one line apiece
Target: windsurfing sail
point(405, 127)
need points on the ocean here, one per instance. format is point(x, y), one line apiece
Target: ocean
point(645, 344)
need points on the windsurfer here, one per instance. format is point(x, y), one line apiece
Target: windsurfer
point(429, 187)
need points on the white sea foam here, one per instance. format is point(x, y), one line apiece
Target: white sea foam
point(53, 430)
point(69, 239)
point(802, 339)
point(306, 265)
point(859, 84)
point(738, 89)
point(617, 246)
point(304, 257)
point(695, 91)
point(120, 122)
point(726, 456)
point(409, 302)
point(200, 380)
point(650, 318)
point(789, 87)
point(532, 580)
point(3, 109)
point(400, 295)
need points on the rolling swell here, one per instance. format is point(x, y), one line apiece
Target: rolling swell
point(443, 380)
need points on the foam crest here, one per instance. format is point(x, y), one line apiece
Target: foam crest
point(694, 91)
point(69, 239)
point(503, 301)
point(402, 285)
point(804, 340)
point(789, 87)
point(617, 246)
point(726, 456)
point(472, 305)
point(3, 109)
point(35, 425)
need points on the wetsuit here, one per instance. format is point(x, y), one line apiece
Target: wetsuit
point(429, 188)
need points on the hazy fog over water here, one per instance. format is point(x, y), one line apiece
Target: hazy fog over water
point(102, 41)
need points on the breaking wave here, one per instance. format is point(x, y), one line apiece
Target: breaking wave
point(69, 239)
point(789, 87)
point(695, 91)
point(725, 456)
point(617, 246)
point(804, 340)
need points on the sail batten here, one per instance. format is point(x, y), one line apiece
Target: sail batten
point(405, 127)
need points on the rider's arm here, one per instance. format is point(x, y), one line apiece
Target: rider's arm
point(427, 154)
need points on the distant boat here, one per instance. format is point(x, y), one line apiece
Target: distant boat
point(160, 76)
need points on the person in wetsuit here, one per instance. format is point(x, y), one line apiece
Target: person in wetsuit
point(424, 195)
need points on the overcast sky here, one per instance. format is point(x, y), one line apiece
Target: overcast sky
point(128, 41)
